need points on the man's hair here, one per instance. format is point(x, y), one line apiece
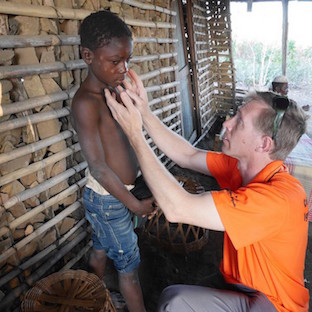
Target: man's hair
point(292, 127)
point(98, 29)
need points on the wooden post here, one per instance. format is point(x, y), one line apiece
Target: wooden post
point(285, 36)
point(189, 16)
point(249, 5)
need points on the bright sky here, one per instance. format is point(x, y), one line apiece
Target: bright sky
point(265, 22)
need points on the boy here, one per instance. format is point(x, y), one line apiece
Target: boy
point(106, 47)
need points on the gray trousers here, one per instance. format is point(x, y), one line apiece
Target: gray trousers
point(187, 298)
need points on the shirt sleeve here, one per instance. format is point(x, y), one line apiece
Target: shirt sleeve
point(251, 213)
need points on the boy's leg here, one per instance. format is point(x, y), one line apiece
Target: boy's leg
point(122, 248)
point(130, 288)
point(97, 259)
point(97, 262)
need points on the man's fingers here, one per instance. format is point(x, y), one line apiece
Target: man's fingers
point(112, 103)
point(109, 97)
point(136, 78)
point(134, 86)
point(120, 89)
point(152, 214)
point(128, 85)
point(126, 99)
point(116, 108)
point(130, 75)
point(133, 96)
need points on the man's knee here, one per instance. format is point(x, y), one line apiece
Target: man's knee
point(170, 299)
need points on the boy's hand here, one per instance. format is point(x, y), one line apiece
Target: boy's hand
point(154, 212)
point(147, 207)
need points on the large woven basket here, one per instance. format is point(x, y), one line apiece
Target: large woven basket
point(72, 290)
point(177, 237)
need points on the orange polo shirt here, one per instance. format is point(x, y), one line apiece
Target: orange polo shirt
point(266, 231)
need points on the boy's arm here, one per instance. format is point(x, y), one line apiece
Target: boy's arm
point(86, 121)
point(173, 145)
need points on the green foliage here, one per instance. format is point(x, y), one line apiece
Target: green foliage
point(299, 69)
point(257, 64)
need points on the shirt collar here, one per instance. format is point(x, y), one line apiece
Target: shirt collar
point(269, 171)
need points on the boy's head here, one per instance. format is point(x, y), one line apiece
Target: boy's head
point(98, 29)
point(106, 47)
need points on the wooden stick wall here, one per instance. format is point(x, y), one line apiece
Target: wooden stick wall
point(42, 170)
point(42, 227)
point(209, 25)
point(221, 59)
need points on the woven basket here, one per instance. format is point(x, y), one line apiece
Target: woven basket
point(177, 237)
point(72, 290)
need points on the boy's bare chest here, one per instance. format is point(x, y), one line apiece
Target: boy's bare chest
point(111, 133)
point(118, 151)
point(108, 126)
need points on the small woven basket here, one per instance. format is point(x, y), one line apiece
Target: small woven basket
point(72, 290)
point(177, 237)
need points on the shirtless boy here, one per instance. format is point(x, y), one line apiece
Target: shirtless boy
point(106, 47)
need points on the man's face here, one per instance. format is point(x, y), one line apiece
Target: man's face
point(110, 63)
point(242, 137)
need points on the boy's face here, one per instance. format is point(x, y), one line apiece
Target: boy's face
point(109, 64)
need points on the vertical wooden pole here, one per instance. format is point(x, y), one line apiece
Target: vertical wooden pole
point(189, 16)
point(188, 103)
point(249, 5)
point(284, 36)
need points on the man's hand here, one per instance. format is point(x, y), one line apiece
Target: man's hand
point(136, 87)
point(127, 115)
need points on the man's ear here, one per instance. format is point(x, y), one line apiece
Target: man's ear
point(87, 55)
point(267, 144)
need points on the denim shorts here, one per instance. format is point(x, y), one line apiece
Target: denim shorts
point(112, 230)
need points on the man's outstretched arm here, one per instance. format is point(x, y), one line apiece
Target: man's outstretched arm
point(173, 145)
point(177, 204)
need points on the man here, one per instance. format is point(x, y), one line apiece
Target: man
point(261, 208)
point(280, 85)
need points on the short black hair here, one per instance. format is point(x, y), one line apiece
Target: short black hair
point(100, 27)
